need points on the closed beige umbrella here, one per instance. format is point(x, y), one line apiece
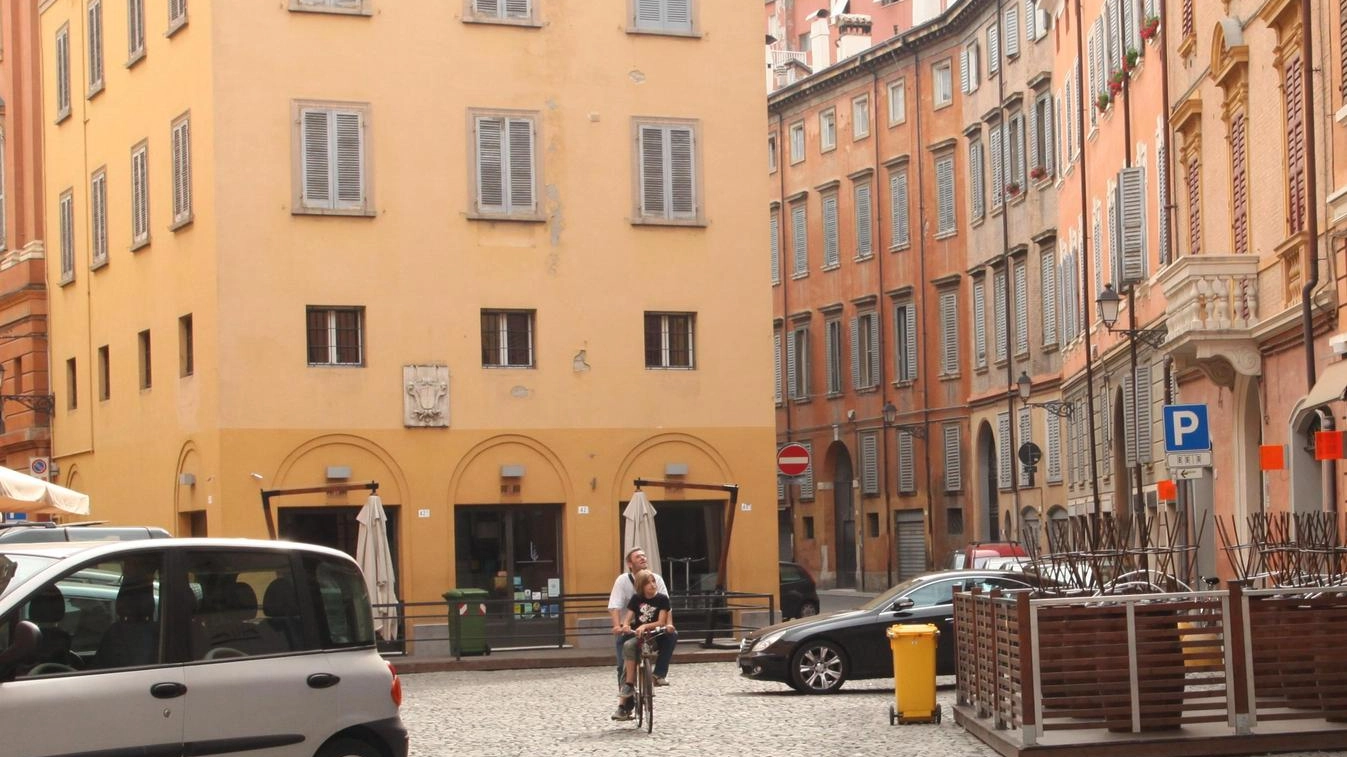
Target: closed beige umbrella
point(376, 561)
point(638, 529)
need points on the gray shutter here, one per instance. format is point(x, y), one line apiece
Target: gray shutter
point(980, 323)
point(907, 467)
point(869, 463)
point(999, 314)
point(1031, 130)
point(899, 209)
point(1021, 308)
point(62, 71)
point(832, 371)
point(855, 355)
point(776, 360)
point(949, 332)
point(1130, 419)
point(350, 150)
point(1045, 119)
point(1105, 419)
point(682, 172)
point(1132, 214)
point(963, 71)
point(774, 233)
point(911, 345)
point(830, 253)
point(1131, 31)
point(517, 8)
point(953, 459)
point(95, 35)
point(1162, 192)
point(1052, 455)
point(807, 486)
point(998, 165)
point(140, 210)
point(654, 201)
point(1112, 48)
point(791, 366)
point(799, 238)
point(521, 178)
point(993, 49)
point(1017, 129)
point(649, 13)
point(1030, 31)
point(1003, 451)
point(1112, 247)
point(1047, 270)
point(863, 244)
point(975, 180)
point(873, 345)
point(1012, 29)
point(1064, 295)
point(316, 128)
point(1144, 424)
point(944, 182)
point(491, 164)
point(1025, 435)
point(487, 7)
point(182, 172)
point(678, 12)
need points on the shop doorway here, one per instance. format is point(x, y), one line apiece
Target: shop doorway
point(514, 553)
point(336, 527)
point(844, 519)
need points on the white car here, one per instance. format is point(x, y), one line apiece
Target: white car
point(192, 646)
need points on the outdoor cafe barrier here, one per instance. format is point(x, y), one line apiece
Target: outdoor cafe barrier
point(458, 627)
point(1228, 660)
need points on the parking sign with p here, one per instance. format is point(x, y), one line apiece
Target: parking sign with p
point(1186, 428)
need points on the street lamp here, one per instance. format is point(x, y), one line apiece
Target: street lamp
point(1026, 387)
point(890, 412)
point(1110, 303)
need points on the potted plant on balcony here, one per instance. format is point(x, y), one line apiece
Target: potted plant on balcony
point(1013, 188)
point(1150, 28)
point(1130, 59)
point(1102, 100)
point(1115, 82)
point(1038, 173)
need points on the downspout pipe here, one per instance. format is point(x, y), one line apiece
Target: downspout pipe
point(1085, 281)
point(921, 277)
point(1311, 195)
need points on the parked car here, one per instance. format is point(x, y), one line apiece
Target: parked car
point(193, 646)
point(817, 655)
point(799, 594)
point(15, 532)
point(976, 555)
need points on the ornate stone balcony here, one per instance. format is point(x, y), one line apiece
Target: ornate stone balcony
point(1210, 312)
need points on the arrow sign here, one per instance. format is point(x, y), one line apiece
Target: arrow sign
point(792, 460)
point(1183, 473)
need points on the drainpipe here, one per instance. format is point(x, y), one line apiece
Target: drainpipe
point(921, 277)
point(787, 487)
point(879, 251)
point(1008, 176)
point(1311, 195)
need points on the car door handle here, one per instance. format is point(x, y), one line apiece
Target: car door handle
point(168, 690)
point(949, 619)
point(323, 680)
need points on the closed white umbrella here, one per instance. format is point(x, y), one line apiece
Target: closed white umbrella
point(638, 529)
point(21, 493)
point(376, 561)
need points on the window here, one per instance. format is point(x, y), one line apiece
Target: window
point(182, 171)
point(104, 374)
point(1132, 224)
point(797, 363)
point(870, 469)
point(860, 117)
point(186, 346)
point(336, 335)
point(827, 130)
point(1021, 307)
point(999, 314)
point(774, 237)
point(331, 163)
point(228, 613)
point(507, 338)
point(799, 240)
point(506, 176)
point(897, 102)
point(953, 458)
point(354, 7)
point(997, 145)
point(796, 142)
point(900, 230)
point(905, 329)
point(872, 519)
point(67, 214)
point(667, 172)
point(140, 196)
point(977, 180)
point(943, 85)
point(808, 522)
point(949, 333)
point(861, 218)
point(94, 37)
point(135, 30)
point(1017, 152)
point(969, 68)
point(1047, 269)
point(1294, 101)
point(1025, 436)
point(1042, 148)
point(1004, 453)
point(993, 50)
point(1012, 30)
point(669, 340)
point(907, 464)
point(662, 16)
point(62, 70)
point(830, 253)
point(771, 153)
point(143, 359)
point(177, 15)
point(980, 323)
point(1192, 178)
point(865, 351)
point(1096, 57)
point(98, 218)
point(944, 195)
point(832, 355)
point(72, 400)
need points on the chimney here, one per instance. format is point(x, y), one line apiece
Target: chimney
point(924, 10)
point(819, 54)
point(853, 30)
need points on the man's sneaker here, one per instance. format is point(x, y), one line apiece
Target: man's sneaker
point(660, 681)
point(626, 690)
point(622, 713)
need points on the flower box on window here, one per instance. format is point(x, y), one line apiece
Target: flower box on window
point(1150, 28)
point(1013, 188)
point(1038, 173)
point(1102, 100)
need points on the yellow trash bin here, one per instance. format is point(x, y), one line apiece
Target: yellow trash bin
point(913, 674)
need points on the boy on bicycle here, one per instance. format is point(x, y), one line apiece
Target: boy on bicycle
point(647, 610)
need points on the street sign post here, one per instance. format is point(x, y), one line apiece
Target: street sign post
point(792, 460)
point(1188, 459)
point(1186, 428)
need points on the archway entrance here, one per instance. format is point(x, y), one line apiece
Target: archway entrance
point(989, 527)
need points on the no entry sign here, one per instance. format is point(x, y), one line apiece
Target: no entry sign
point(792, 460)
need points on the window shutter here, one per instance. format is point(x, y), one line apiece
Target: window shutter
point(182, 172)
point(1012, 26)
point(654, 201)
point(976, 183)
point(999, 314)
point(869, 463)
point(832, 356)
point(1162, 193)
point(974, 65)
point(1017, 129)
point(1113, 246)
point(1031, 128)
point(1239, 182)
point(1132, 29)
point(774, 233)
point(1186, 27)
point(1093, 58)
point(949, 332)
point(100, 217)
point(907, 467)
point(855, 355)
point(993, 49)
point(95, 34)
point(1194, 171)
point(316, 126)
point(980, 323)
point(953, 459)
point(1105, 419)
point(1113, 44)
point(1132, 214)
point(863, 242)
point(1030, 31)
point(517, 8)
point(487, 7)
point(998, 173)
point(963, 71)
point(910, 345)
point(1129, 418)
point(873, 344)
point(799, 238)
point(1047, 275)
point(1025, 436)
point(1049, 144)
point(1052, 455)
point(1292, 89)
point(899, 209)
point(776, 359)
point(62, 71)
point(1144, 412)
point(682, 158)
point(830, 254)
point(350, 149)
point(649, 13)
point(807, 485)
point(944, 181)
point(791, 367)
point(67, 236)
point(521, 177)
point(1003, 452)
point(1021, 308)
point(140, 210)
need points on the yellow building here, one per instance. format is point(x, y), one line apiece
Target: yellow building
point(499, 256)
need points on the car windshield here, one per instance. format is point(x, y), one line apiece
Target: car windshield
point(15, 569)
point(886, 599)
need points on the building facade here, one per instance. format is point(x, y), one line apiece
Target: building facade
point(501, 296)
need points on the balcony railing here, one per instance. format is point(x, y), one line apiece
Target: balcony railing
point(1211, 294)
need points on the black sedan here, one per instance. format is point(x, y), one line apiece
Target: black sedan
point(817, 655)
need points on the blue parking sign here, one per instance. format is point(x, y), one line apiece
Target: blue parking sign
point(1186, 428)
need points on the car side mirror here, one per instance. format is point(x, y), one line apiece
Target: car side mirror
point(24, 640)
point(900, 604)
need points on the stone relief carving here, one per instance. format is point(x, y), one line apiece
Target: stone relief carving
point(426, 396)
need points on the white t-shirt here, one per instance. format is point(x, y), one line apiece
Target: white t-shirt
point(624, 589)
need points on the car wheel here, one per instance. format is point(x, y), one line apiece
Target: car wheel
point(348, 748)
point(818, 667)
point(807, 609)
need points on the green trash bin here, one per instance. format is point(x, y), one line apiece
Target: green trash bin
point(467, 621)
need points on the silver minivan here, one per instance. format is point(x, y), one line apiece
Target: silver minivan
point(192, 646)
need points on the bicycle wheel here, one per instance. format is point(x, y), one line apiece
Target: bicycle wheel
point(648, 698)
